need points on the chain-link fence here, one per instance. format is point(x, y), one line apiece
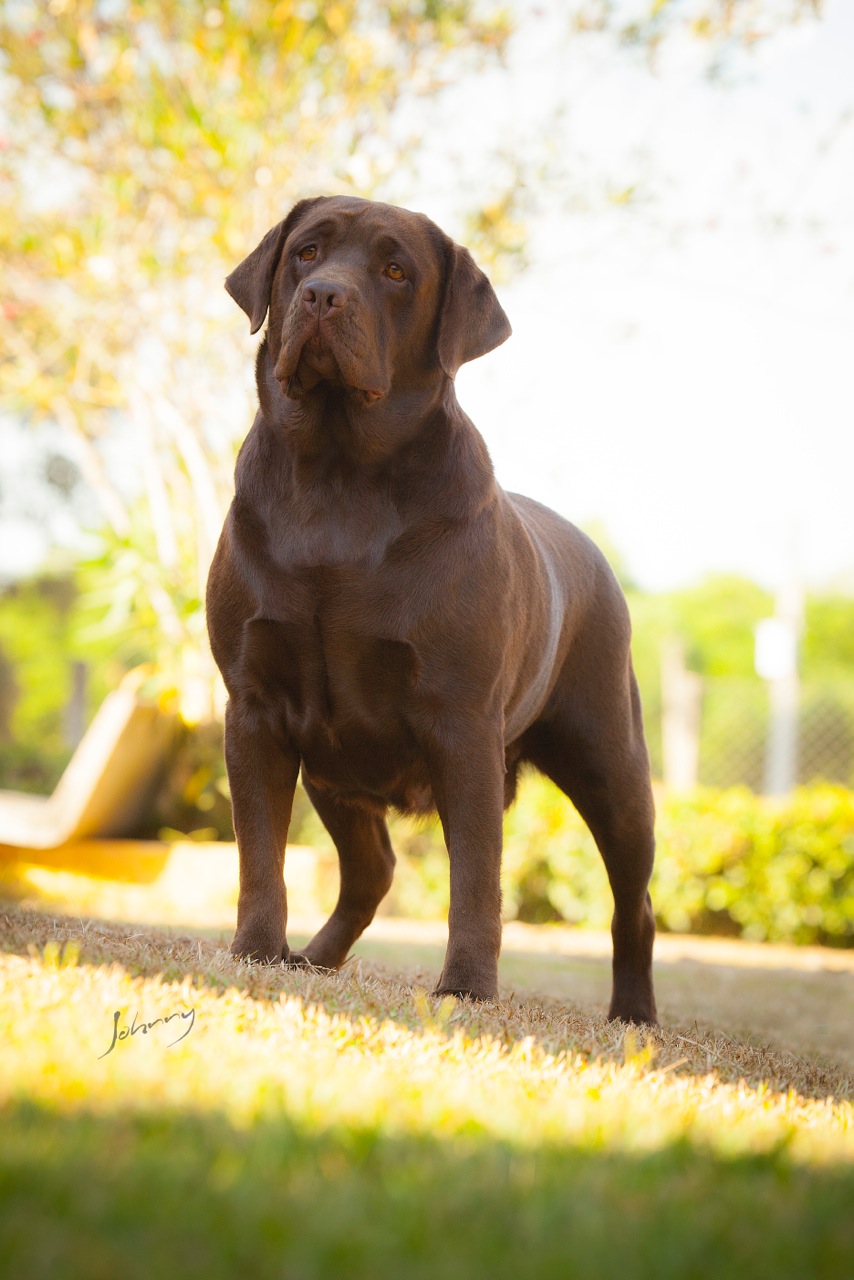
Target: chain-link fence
point(717, 731)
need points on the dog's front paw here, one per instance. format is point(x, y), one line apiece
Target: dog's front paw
point(641, 1015)
point(259, 944)
point(467, 985)
point(632, 1000)
point(470, 973)
point(462, 993)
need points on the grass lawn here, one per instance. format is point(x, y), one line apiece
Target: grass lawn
point(307, 1125)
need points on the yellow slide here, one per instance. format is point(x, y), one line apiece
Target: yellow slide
point(107, 785)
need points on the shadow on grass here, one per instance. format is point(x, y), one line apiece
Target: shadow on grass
point(175, 1194)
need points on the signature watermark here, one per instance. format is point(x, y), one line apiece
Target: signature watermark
point(124, 1033)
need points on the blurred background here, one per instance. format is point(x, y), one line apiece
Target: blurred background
point(663, 193)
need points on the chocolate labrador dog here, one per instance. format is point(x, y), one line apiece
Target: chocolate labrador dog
point(389, 620)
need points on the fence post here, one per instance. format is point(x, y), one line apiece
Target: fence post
point(681, 697)
point(777, 663)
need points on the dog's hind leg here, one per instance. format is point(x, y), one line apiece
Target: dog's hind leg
point(366, 862)
point(592, 746)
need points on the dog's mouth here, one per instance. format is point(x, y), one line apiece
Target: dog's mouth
point(317, 363)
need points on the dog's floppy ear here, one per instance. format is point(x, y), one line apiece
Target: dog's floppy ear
point(471, 321)
point(251, 283)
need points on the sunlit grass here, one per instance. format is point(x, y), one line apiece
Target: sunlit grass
point(366, 1050)
point(354, 1124)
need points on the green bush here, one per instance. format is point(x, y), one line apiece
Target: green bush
point(40, 642)
point(733, 862)
point(728, 862)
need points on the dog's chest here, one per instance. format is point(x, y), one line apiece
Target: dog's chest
point(331, 530)
point(338, 689)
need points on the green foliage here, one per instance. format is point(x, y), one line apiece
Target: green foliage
point(731, 862)
point(828, 641)
point(551, 868)
point(149, 610)
point(728, 862)
point(39, 642)
point(194, 799)
point(36, 684)
point(716, 619)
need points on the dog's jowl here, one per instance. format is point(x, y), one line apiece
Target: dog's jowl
point(390, 621)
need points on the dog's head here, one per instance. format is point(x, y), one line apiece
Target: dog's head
point(367, 297)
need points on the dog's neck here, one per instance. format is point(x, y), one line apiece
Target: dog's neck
point(332, 423)
point(318, 443)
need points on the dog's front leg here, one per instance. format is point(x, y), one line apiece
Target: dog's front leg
point(262, 775)
point(468, 786)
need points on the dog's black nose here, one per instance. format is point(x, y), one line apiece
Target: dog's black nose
point(320, 296)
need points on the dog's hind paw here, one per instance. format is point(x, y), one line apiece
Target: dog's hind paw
point(296, 960)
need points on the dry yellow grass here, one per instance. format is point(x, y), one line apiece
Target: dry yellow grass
point(796, 1001)
point(47, 1004)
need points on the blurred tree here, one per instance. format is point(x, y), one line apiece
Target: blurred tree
point(715, 619)
point(146, 147)
point(827, 646)
point(724, 24)
point(36, 639)
point(718, 619)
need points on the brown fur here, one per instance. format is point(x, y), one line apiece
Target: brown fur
point(391, 621)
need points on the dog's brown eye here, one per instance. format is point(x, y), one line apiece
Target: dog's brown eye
point(394, 271)
point(308, 254)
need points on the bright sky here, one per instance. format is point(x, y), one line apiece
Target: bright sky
point(683, 370)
